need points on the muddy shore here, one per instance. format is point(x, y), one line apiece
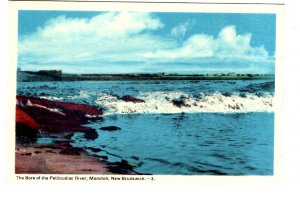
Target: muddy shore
point(59, 120)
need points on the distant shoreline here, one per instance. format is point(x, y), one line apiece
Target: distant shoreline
point(54, 75)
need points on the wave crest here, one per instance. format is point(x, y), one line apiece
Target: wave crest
point(178, 102)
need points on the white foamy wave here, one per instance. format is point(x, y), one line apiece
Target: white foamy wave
point(163, 102)
point(82, 94)
point(52, 98)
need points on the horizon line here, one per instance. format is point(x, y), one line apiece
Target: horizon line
point(123, 73)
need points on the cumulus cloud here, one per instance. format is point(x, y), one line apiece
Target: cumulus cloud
point(180, 30)
point(127, 42)
point(107, 37)
point(228, 44)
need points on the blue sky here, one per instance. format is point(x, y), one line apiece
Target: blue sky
point(140, 42)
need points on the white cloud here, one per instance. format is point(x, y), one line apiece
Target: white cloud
point(180, 30)
point(104, 25)
point(228, 44)
point(110, 35)
point(111, 39)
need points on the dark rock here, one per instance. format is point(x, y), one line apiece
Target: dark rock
point(27, 154)
point(25, 134)
point(37, 152)
point(95, 150)
point(59, 118)
point(121, 167)
point(90, 134)
point(71, 151)
point(110, 128)
point(129, 98)
point(180, 103)
point(23, 117)
point(124, 164)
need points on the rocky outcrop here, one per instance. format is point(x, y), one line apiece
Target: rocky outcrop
point(26, 128)
point(132, 99)
point(36, 116)
point(180, 103)
point(60, 118)
point(22, 117)
point(110, 128)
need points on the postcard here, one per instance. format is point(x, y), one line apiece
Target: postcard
point(145, 91)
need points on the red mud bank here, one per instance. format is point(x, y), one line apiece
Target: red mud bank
point(59, 120)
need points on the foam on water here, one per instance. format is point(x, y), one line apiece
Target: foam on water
point(53, 98)
point(55, 110)
point(160, 97)
point(162, 102)
point(82, 94)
